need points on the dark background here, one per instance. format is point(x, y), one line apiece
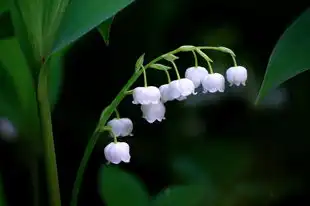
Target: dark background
point(247, 155)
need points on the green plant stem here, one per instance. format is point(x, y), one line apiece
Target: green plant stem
point(144, 76)
point(195, 57)
point(103, 119)
point(210, 67)
point(35, 182)
point(168, 76)
point(47, 134)
point(117, 113)
point(176, 69)
point(234, 60)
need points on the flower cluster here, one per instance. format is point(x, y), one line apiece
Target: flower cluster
point(152, 99)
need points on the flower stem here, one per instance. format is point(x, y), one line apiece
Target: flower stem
point(144, 76)
point(195, 57)
point(107, 112)
point(168, 75)
point(47, 134)
point(210, 67)
point(117, 113)
point(176, 69)
point(234, 60)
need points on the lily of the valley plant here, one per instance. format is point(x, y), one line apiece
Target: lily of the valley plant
point(152, 99)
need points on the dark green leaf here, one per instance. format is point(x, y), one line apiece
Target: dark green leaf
point(160, 67)
point(6, 26)
point(35, 26)
point(201, 53)
point(105, 28)
point(81, 16)
point(18, 91)
point(189, 195)
point(290, 56)
point(4, 5)
point(139, 62)
point(170, 57)
point(56, 64)
point(117, 188)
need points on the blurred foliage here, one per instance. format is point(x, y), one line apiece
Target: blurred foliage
point(242, 155)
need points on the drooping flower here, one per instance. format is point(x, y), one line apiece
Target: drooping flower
point(121, 127)
point(153, 112)
point(146, 95)
point(213, 83)
point(117, 152)
point(236, 75)
point(7, 130)
point(181, 88)
point(196, 74)
point(165, 93)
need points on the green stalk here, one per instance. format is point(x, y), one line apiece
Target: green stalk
point(47, 134)
point(104, 118)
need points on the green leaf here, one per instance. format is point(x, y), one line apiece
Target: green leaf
point(117, 188)
point(139, 62)
point(6, 26)
point(4, 6)
point(170, 57)
point(81, 16)
point(160, 67)
point(36, 25)
point(56, 64)
point(201, 53)
point(18, 91)
point(105, 29)
point(189, 195)
point(290, 56)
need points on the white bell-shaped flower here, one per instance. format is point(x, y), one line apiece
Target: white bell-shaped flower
point(117, 152)
point(196, 74)
point(165, 93)
point(146, 95)
point(236, 75)
point(121, 127)
point(181, 88)
point(7, 130)
point(213, 83)
point(153, 112)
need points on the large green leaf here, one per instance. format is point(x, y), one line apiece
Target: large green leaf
point(35, 25)
point(55, 75)
point(188, 195)
point(290, 56)
point(105, 28)
point(81, 16)
point(18, 97)
point(4, 5)
point(6, 27)
point(117, 188)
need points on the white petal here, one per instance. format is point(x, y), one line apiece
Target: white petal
point(236, 75)
point(153, 112)
point(127, 127)
point(146, 95)
point(165, 93)
point(196, 74)
point(116, 125)
point(213, 83)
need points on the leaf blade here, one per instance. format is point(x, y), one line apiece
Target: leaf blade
point(117, 187)
point(105, 29)
point(283, 63)
point(102, 11)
